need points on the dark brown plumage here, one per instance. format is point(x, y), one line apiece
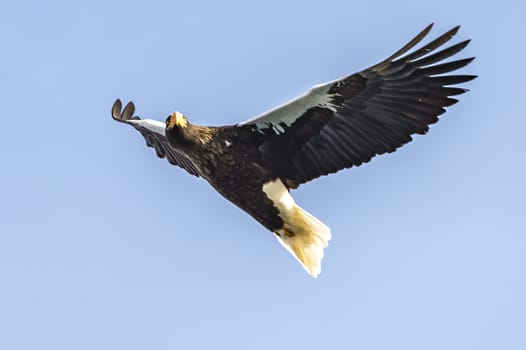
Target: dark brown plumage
point(337, 125)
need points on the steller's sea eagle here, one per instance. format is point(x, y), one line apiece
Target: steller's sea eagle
point(336, 125)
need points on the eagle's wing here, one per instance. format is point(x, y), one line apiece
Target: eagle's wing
point(153, 133)
point(348, 121)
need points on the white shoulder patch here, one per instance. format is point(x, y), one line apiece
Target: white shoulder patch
point(289, 112)
point(150, 124)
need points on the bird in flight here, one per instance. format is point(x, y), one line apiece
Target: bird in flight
point(334, 126)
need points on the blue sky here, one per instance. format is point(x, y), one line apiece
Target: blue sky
point(104, 246)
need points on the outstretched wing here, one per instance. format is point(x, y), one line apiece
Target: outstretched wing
point(348, 121)
point(153, 133)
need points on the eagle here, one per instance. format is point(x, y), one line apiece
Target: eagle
point(336, 125)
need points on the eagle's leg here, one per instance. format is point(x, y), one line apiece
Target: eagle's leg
point(284, 232)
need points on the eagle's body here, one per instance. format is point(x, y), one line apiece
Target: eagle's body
point(220, 159)
point(336, 125)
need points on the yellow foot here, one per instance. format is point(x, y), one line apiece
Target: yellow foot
point(283, 232)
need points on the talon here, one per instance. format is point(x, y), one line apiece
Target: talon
point(284, 232)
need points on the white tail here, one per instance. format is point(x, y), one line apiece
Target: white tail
point(302, 234)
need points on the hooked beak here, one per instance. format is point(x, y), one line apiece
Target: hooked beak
point(177, 119)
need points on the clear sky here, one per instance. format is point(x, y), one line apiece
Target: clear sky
point(104, 246)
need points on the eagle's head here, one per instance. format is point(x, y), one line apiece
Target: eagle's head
point(181, 133)
point(176, 120)
point(177, 130)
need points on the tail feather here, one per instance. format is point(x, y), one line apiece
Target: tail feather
point(304, 237)
point(302, 234)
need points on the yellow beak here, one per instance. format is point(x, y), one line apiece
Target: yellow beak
point(177, 119)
